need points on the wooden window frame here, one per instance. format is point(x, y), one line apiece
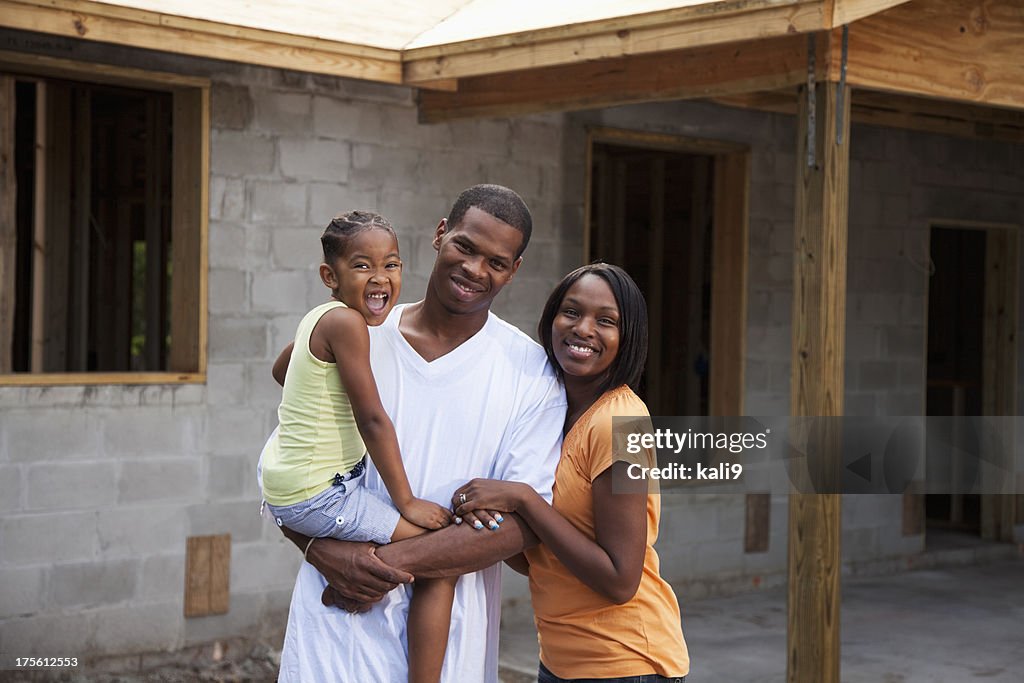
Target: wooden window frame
point(190, 214)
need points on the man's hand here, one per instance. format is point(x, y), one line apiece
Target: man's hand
point(355, 571)
point(332, 598)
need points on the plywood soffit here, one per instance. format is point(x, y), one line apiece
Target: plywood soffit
point(426, 44)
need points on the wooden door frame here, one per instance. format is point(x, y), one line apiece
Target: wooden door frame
point(729, 253)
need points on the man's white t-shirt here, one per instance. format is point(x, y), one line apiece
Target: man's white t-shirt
point(490, 408)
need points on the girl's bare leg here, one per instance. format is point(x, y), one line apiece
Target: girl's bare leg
point(430, 616)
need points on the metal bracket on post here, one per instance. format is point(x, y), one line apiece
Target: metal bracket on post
point(842, 86)
point(811, 99)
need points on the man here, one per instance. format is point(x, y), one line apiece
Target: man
point(470, 396)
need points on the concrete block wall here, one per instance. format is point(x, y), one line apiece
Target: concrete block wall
point(101, 485)
point(900, 181)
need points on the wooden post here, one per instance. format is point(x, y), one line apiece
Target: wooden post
point(819, 312)
point(8, 222)
point(729, 283)
point(999, 367)
point(190, 207)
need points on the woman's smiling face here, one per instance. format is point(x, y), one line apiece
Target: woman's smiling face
point(585, 330)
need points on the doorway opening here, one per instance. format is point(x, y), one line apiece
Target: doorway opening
point(652, 216)
point(672, 212)
point(971, 364)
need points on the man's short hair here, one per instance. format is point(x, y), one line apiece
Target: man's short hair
point(499, 201)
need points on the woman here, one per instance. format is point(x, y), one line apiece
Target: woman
point(603, 612)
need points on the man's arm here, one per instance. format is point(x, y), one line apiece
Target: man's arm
point(352, 568)
point(458, 550)
point(361, 575)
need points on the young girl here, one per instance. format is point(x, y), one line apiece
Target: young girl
point(331, 416)
point(603, 612)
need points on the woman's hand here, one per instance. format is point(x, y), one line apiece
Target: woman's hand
point(481, 501)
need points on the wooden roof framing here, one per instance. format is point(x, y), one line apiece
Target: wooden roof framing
point(138, 26)
point(419, 43)
point(967, 51)
point(491, 58)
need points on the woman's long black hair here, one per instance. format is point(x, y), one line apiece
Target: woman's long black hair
point(628, 366)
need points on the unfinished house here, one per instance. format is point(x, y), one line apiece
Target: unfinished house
point(821, 199)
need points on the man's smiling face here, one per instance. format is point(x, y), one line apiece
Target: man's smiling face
point(475, 259)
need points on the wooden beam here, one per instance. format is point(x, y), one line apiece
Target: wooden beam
point(52, 379)
point(189, 215)
point(999, 368)
point(705, 72)
point(662, 141)
point(961, 50)
point(167, 33)
point(906, 112)
point(443, 85)
point(819, 311)
point(8, 221)
point(41, 65)
point(729, 253)
point(641, 34)
point(849, 11)
point(938, 116)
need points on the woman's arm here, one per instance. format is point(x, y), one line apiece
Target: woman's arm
point(612, 563)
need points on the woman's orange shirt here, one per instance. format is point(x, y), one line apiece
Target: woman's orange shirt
point(582, 633)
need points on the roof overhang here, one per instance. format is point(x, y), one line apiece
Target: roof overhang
point(496, 58)
point(427, 44)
